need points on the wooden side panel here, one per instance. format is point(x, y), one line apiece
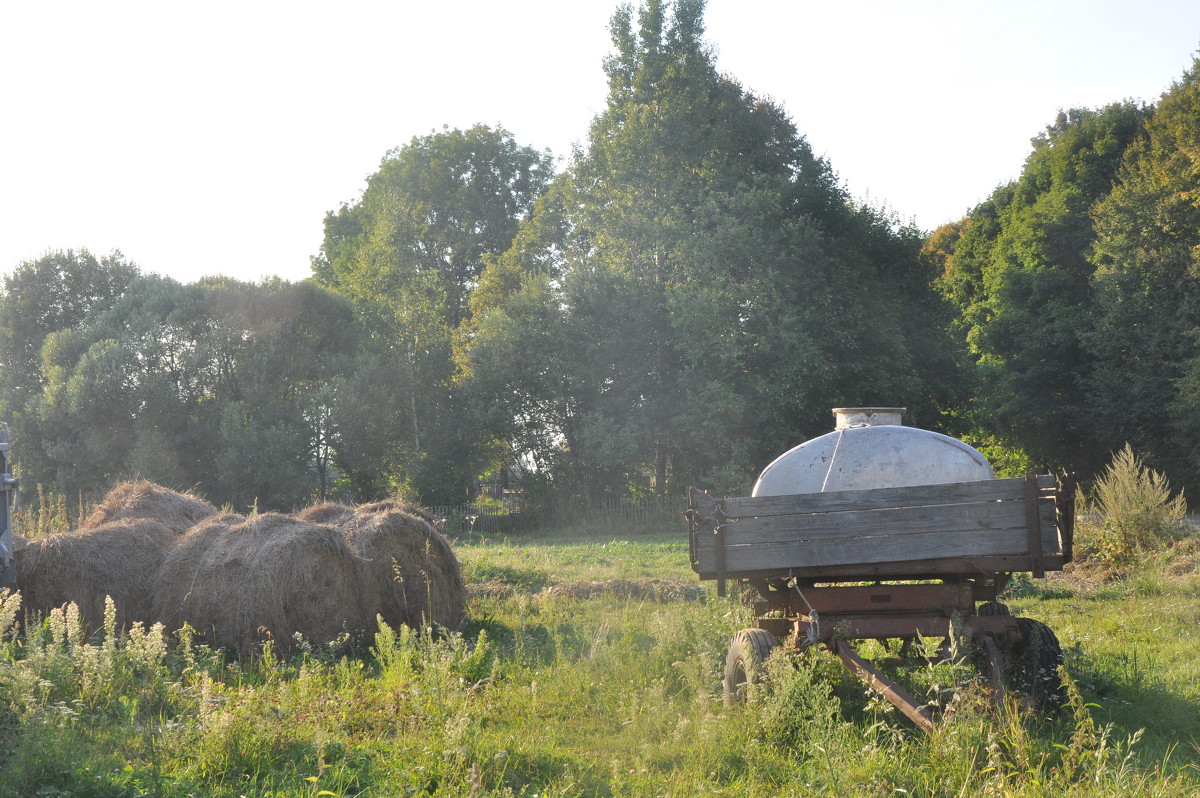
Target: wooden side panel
point(964, 521)
point(875, 499)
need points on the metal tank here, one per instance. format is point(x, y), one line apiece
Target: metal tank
point(870, 448)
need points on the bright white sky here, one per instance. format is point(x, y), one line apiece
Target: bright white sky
point(203, 138)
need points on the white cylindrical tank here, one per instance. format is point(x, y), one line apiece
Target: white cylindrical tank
point(869, 448)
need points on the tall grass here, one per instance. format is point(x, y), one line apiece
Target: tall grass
point(1133, 512)
point(46, 514)
point(555, 692)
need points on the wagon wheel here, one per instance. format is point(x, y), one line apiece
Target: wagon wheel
point(743, 665)
point(993, 609)
point(1034, 665)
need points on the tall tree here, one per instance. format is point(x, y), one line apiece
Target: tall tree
point(56, 292)
point(1019, 273)
point(1147, 257)
point(694, 287)
point(220, 385)
point(408, 255)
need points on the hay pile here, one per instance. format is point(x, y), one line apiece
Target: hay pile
point(410, 573)
point(326, 513)
point(142, 499)
point(118, 559)
point(239, 581)
point(173, 558)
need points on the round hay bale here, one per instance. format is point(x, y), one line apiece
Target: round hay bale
point(142, 499)
point(411, 575)
point(240, 581)
point(326, 513)
point(396, 506)
point(117, 559)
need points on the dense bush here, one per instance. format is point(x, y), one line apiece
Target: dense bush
point(1132, 513)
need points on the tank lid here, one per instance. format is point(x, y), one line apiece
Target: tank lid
point(867, 417)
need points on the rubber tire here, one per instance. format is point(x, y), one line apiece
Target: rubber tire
point(1034, 664)
point(993, 609)
point(749, 649)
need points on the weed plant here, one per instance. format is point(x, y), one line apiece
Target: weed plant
point(553, 692)
point(1133, 513)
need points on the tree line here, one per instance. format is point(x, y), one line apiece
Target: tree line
point(684, 300)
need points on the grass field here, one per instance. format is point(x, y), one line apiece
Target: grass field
point(591, 667)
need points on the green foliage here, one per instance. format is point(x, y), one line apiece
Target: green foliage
point(1135, 511)
point(1018, 270)
point(409, 255)
point(799, 709)
point(693, 289)
point(1147, 291)
point(1007, 459)
point(223, 385)
point(559, 692)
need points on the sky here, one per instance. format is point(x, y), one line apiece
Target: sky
point(212, 138)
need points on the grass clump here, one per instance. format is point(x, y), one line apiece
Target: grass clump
point(575, 694)
point(1134, 513)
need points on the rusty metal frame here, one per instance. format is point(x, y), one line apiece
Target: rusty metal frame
point(832, 615)
point(870, 675)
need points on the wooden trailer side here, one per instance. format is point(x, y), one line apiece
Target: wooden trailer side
point(958, 528)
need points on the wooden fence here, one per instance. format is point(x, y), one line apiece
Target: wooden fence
point(642, 513)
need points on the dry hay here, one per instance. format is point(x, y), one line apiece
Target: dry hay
point(117, 559)
point(396, 506)
point(493, 589)
point(240, 581)
point(326, 513)
point(142, 499)
point(411, 575)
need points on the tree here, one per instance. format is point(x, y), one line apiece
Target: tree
point(1147, 257)
point(219, 385)
point(1019, 273)
point(56, 292)
point(695, 288)
point(408, 255)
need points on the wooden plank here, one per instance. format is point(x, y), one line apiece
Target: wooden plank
point(959, 525)
point(892, 521)
point(876, 498)
point(872, 547)
point(959, 520)
point(906, 569)
point(965, 522)
point(1036, 546)
point(866, 549)
point(1066, 515)
point(702, 503)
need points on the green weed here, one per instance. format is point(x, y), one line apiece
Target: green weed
point(604, 692)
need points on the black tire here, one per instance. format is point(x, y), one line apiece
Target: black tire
point(993, 609)
point(1034, 663)
point(743, 665)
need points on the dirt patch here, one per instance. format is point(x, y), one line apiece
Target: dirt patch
point(656, 590)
